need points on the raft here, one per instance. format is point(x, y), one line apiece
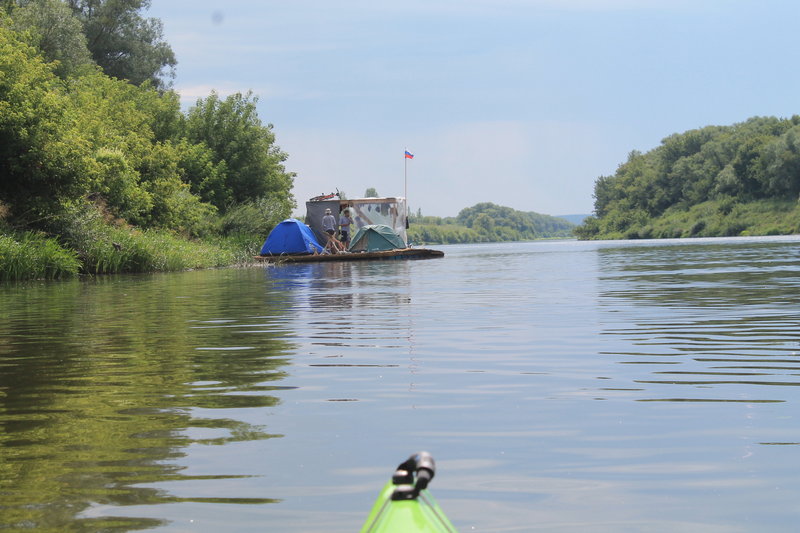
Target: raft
point(405, 505)
point(403, 253)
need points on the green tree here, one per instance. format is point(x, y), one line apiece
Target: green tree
point(371, 193)
point(119, 185)
point(487, 222)
point(484, 224)
point(42, 157)
point(663, 192)
point(163, 111)
point(136, 171)
point(780, 166)
point(56, 32)
point(126, 45)
point(206, 178)
point(235, 135)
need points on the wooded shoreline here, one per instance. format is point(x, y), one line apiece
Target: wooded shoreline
point(104, 173)
point(716, 181)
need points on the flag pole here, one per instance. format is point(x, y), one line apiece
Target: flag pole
point(406, 156)
point(405, 177)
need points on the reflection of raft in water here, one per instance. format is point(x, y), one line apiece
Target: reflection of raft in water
point(404, 253)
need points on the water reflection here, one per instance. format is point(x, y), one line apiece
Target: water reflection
point(331, 299)
point(713, 319)
point(105, 384)
point(343, 286)
point(166, 401)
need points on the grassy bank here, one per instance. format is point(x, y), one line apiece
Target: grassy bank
point(85, 239)
point(116, 250)
point(32, 256)
point(716, 218)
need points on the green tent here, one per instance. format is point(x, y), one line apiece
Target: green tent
point(375, 238)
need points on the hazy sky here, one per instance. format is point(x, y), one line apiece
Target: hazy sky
point(524, 103)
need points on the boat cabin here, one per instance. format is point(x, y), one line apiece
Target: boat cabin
point(390, 211)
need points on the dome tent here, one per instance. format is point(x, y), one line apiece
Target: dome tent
point(291, 237)
point(375, 238)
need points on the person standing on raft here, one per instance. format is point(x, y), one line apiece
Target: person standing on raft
point(329, 227)
point(344, 228)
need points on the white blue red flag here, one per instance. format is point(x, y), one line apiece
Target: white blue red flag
point(409, 155)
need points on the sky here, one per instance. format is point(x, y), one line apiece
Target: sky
point(523, 103)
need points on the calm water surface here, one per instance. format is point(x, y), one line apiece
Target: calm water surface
point(561, 386)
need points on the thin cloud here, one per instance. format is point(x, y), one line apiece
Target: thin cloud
point(189, 94)
point(462, 7)
point(529, 166)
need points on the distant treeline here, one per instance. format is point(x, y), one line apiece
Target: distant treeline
point(487, 222)
point(742, 179)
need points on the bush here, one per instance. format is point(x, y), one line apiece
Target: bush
point(698, 226)
point(726, 206)
point(254, 219)
point(105, 248)
point(733, 229)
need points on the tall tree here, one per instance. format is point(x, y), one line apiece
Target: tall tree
point(42, 158)
point(56, 32)
point(234, 133)
point(124, 43)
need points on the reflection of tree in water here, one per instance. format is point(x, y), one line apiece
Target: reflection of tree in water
point(704, 315)
point(100, 380)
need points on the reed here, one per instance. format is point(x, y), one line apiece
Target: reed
point(242, 247)
point(121, 250)
point(89, 243)
point(31, 255)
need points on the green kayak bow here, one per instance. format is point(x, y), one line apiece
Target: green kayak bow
point(405, 505)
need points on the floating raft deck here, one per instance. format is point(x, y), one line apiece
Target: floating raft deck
point(405, 253)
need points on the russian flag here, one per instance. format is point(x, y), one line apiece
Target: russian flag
point(409, 155)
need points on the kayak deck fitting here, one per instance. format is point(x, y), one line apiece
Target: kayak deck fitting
point(405, 504)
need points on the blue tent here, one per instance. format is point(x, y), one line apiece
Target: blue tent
point(291, 237)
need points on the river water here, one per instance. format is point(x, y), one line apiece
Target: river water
point(561, 386)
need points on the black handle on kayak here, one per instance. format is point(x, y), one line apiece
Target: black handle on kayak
point(413, 476)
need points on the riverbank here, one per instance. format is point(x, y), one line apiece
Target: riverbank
point(34, 255)
point(713, 218)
